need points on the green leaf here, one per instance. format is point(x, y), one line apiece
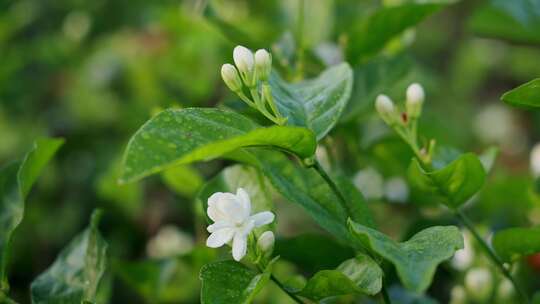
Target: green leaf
point(75, 275)
point(373, 33)
point(416, 259)
point(511, 244)
point(526, 95)
point(379, 75)
point(452, 185)
point(316, 104)
point(230, 282)
point(303, 186)
point(312, 252)
point(359, 275)
point(175, 137)
point(16, 180)
point(515, 21)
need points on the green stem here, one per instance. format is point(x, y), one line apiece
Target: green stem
point(385, 295)
point(282, 287)
point(491, 254)
point(317, 166)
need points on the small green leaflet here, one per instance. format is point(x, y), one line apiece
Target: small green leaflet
point(511, 244)
point(230, 282)
point(316, 104)
point(372, 34)
point(359, 275)
point(452, 185)
point(16, 180)
point(416, 259)
point(526, 95)
point(75, 275)
point(175, 137)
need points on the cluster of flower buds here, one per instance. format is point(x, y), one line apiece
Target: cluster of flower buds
point(405, 122)
point(250, 76)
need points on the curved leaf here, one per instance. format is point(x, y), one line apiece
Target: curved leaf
point(527, 94)
point(16, 180)
point(359, 275)
point(316, 103)
point(230, 282)
point(416, 259)
point(75, 275)
point(175, 137)
point(452, 185)
point(510, 244)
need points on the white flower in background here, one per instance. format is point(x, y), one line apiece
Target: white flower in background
point(370, 182)
point(233, 221)
point(535, 160)
point(396, 189)
point(168, 242)
point(415, 99)
point(230, 77)
point(505, 290)
point(458, 295)
point(479, 283)
point(263, 64)
point(464, 258)
point(266, 241)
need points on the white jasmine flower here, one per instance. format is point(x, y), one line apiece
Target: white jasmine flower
point(233, 221)
point(243, 58)
point(464, 258)
point(415, 99)
point(370, 182)
point(458, 295)
point(396, 189)
point(168, 242)
point(535, 160)
point(385, 107)
point(263, 64)
point(505, 290)
point(230, 77)
point(266, 241)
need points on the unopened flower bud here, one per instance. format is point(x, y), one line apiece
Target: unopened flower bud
point(535, 160)
point(230, 77)
point(263, 64)
point(245, 62)
point(479, 283)
point(266, 242)
point(385, 107)
point(415, 99)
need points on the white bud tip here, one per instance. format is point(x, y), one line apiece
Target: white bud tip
point(243, 58)
point(384, 104)
point(415, 93)
point(266, 241)
point(228, 70)
point(262, 58)
point(535, 160)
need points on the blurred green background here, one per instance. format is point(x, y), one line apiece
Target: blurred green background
point(94, 71)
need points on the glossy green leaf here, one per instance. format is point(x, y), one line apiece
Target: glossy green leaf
point(171, 280)
point(175, 137)
point(312, 252)
point(516, 20)
point(303, 186)
point(416, 259)
point(452, 185)
point(511, 244)
point(373, 33)
point(230, 282)
point(527, 95)
point(359, 275)
point(16, 180)
point(379, 75)
point(75, 275)
point(316, 104)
